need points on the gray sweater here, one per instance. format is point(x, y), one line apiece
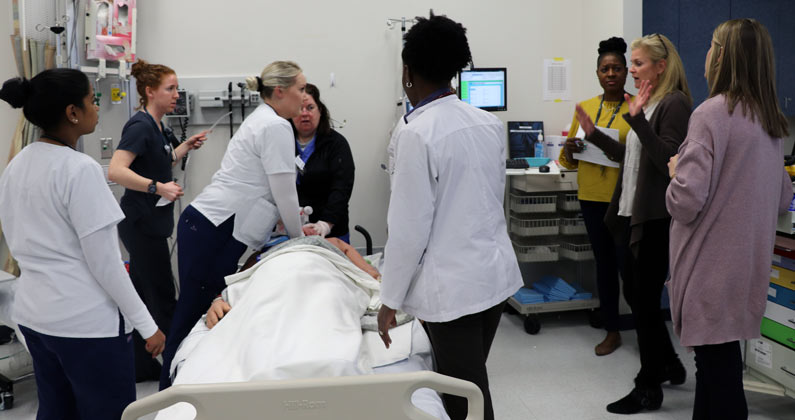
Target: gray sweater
point(729, 188)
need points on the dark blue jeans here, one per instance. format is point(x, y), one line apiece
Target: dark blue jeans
point(206, 254)
point(719, 383)
point(82, 378)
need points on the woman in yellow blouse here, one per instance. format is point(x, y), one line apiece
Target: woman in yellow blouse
point(597, 182)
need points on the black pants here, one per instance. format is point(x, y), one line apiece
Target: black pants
point(150, 271)
point(719, 383)
point(648, 270)
point(606, 255)
point(460, 349)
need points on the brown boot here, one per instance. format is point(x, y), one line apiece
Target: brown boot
point(609, 344)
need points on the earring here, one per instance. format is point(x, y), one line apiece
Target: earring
point(74, 120)
point(409, 85)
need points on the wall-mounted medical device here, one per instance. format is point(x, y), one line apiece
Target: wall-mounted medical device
point(184, 104)
point(110, 30)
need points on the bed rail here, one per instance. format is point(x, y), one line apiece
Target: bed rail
point(383, 396)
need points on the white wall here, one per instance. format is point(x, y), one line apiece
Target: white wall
point(8, 115)
point(350, 38)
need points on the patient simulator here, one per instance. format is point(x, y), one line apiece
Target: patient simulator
point(304, 310)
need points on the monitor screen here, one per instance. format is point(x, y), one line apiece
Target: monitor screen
point(484, 88)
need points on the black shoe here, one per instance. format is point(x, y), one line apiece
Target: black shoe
point(674, 372)
point(637, 400)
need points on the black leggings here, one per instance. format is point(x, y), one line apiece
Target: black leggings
point(719, 383)
point(460, 349)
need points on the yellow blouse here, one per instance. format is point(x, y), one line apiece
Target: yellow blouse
point(597, 182)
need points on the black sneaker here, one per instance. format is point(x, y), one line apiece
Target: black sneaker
point(637, 400)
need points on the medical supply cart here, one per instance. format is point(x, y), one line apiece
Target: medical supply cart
point(770, 359)
point(548, 234)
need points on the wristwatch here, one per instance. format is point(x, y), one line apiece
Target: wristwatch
point(152, 187)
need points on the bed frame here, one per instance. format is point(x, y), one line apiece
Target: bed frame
point(382, 396)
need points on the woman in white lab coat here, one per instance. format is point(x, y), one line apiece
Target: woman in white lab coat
point(448, 259)
point(74, 302)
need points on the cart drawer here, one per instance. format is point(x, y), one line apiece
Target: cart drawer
point(782, 277)
point(780, 333)
point(783, 315)
point(783, 259)
point(781, 295)
point(772, 360)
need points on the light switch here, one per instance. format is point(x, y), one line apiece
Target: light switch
point(106, 147)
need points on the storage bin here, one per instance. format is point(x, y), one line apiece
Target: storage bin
point(573, 226)
point(576, 252)
point(569, 202)
point(535, 227)
point(533, 203)
point(536, 252)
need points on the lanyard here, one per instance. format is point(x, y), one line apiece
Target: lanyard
point(441, 93)
point(599, 113)
point(53, 138)
point(303, 156)
point(167, 147)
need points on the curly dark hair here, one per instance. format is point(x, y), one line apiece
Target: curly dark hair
point(615, 45)
point(436, 48)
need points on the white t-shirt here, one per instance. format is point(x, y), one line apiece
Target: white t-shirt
point(263, 145)
point(629, 182)
point(51, 199)
point(448, 253)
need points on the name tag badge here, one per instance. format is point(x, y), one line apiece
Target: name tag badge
point(299, 163)
point(168, 149)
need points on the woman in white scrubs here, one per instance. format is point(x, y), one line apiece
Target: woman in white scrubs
point(448, 259)
point(254, 188)
point(74, 298)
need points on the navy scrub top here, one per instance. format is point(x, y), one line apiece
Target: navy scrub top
point(142, 137)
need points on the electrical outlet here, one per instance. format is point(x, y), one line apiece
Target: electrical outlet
point(254, 99)
point(106, 147)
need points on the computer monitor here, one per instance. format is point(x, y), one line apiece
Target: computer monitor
point(485, 88)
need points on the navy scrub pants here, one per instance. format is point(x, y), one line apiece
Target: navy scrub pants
point(206, 254)
point(82, 378)
point(150, 272)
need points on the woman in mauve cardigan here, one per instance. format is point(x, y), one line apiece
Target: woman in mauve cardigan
point(637, 216)
point(727, 188)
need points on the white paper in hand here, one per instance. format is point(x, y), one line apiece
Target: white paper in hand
point(592, 153)
point(163, 202)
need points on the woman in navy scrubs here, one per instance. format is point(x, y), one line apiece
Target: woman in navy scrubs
point(142, 164)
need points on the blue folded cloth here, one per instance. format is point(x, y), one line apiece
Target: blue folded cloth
point(581, 294)
point(525, 296)
point(555, 289)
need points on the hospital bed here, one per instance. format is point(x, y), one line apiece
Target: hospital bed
point(290, 345)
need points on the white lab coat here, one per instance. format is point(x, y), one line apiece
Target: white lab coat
point(448, 252)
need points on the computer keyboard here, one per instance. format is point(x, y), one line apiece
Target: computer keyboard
point(518, 163)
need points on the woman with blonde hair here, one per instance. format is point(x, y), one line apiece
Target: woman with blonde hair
point(637, 217)
point(721, 246)
point(253, 189)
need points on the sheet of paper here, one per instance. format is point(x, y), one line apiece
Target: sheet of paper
point(763, 353)
point(593, 154)
point(163, 202)
point(557, 79)
point(218, 121)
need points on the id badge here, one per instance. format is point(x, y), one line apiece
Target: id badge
point(299, 163)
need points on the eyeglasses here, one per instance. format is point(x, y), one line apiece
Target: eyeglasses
point(663, 44)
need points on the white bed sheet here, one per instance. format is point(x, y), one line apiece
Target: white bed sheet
point(279, 330)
